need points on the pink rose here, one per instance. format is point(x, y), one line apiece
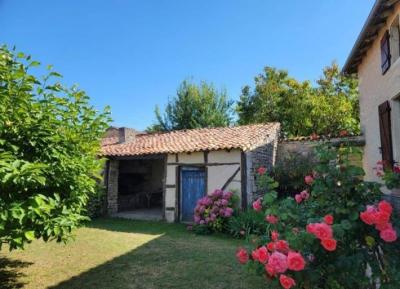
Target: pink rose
point(295, 261)
point(298, 198)
point(257, 206)
point(271, 219)
point(388, 235)
point(308, 180)
point(262, 254)
point(282, 246)
point(286, 282)
point(242, 256)
point(305, 195)
point(310, 228)
point(320, 230)
point(278, 262)
point(381, 227)
point(274, 235)
point(270, 270)
point(261, 170)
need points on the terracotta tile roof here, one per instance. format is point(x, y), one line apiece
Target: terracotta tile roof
point(240, 137)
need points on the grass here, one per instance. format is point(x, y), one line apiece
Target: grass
point(115, 253)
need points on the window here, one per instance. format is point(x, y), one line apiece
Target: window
point(385, 52)
point(395, 40)
point(385, 128)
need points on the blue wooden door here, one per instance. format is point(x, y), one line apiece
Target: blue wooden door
point(193, 187)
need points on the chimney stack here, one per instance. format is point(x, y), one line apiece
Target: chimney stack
point(126, 134)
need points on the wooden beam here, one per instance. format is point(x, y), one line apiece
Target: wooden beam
point(230, 179)
point(243, 169)
point(202, 164)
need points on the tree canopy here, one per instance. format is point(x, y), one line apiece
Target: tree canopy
point(49, 143)
point(303, 109)
point(195, 106)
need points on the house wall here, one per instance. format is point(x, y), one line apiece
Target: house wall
point(220, 166)
point(375, 89)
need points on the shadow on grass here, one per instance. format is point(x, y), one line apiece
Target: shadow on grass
point(9, 273)
point(176, 259)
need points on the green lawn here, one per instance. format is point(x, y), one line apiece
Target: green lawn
point(114, 253)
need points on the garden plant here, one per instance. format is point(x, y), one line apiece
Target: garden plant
point(336, 234)
point(49, 145)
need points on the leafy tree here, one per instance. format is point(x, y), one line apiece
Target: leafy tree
point(49, 142)
point(195, 106)
point(302, 109)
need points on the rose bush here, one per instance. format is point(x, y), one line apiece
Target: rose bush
point(336, 234)
point(391, 177)
point(212, 211)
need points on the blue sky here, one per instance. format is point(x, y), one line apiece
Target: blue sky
point(132, 55)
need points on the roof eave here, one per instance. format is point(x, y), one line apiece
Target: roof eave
point(352, 63)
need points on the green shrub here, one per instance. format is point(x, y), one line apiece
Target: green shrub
point(49, 145)
point(290, 171)
point(247, 223)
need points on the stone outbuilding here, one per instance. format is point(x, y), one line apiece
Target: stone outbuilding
point(164, 174)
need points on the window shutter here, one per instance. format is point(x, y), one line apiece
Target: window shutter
point(385, 52)
point(386, 135)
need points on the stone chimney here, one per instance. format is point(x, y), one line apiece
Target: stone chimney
point(126, 134)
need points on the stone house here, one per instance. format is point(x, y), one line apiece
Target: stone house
point(166, 173)
point(375, 58)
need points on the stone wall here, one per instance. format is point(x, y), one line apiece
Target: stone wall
point(306, 147)
point(112, 193)
point(263, 156)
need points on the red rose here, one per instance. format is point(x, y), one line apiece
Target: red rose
point(396, 169)
point(263, 255)
point(367, 217)
point(382, 217)
point(328, 219)
point(282, 246)
point(295, 261)
point(271, 246)
point(329, 244)
point(242, 256)
point(261, 170)
point(388, 235)
point(385, 206)
point(286, 281)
